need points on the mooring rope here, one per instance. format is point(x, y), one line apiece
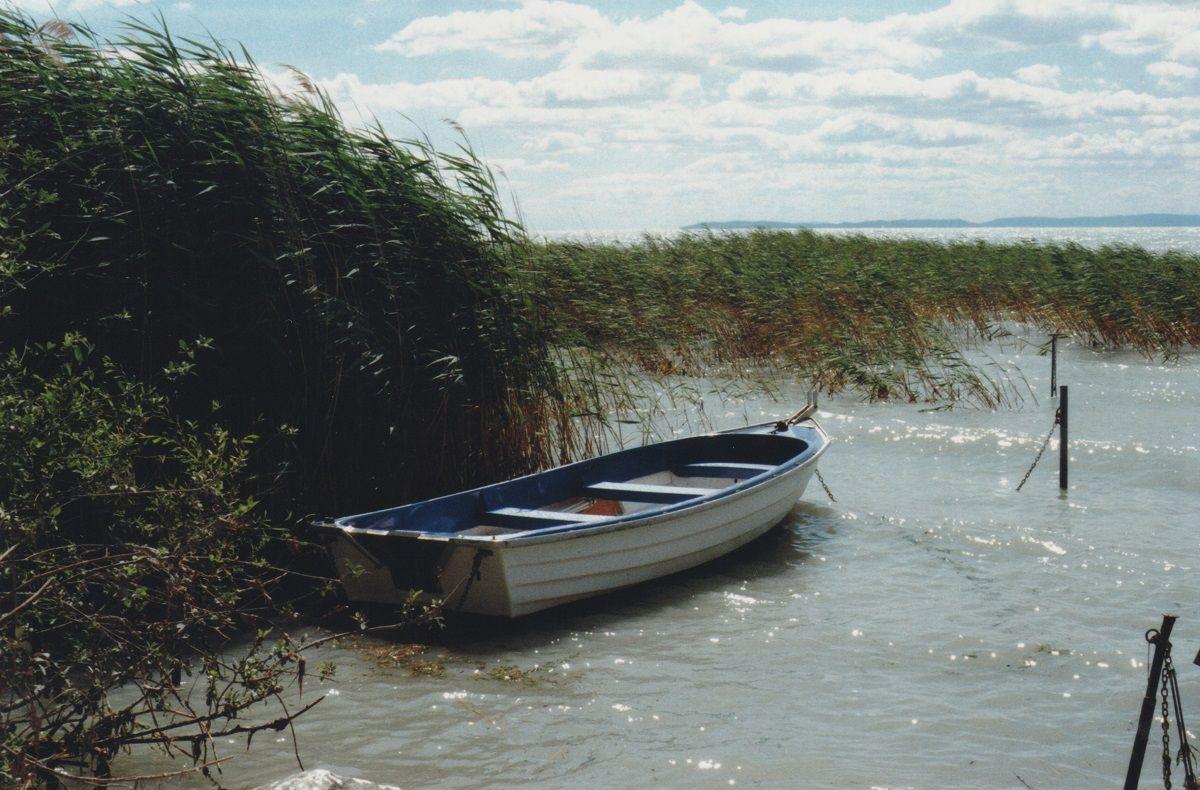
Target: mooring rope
point(1041, 452)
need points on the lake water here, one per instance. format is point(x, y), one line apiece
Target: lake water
point(930, 628)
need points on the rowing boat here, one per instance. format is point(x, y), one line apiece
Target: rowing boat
point(527, 544)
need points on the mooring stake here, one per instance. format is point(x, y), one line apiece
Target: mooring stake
point(1161, 639)
point(1053, 364)
point(1062, 437)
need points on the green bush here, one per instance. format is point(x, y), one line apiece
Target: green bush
point(131, 552)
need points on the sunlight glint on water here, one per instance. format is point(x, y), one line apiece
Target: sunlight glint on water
point(931, 628)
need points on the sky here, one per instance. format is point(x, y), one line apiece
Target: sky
point(617, 116)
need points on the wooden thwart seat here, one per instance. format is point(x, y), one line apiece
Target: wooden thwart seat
point(724, 469)
point(644, 492)
point(523, 518)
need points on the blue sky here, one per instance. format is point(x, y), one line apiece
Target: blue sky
point(648, 115)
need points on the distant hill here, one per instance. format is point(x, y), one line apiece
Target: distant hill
point(1114, 221)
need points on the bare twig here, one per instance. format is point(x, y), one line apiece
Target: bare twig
point(32, 597)
point(96, 781)
point(201, 721)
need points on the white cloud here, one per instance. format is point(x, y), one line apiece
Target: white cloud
point(1039, 74)
point(1169, 69)
point(563, 142)
point(405, 96)
point(1004, 24)
point(587, 85)
point(539, 28)
point(1172, 75)
point(1172, 30)
point(759, 110)
point(519, 166)
point(964, 92)
point(50, 7)
point(690, 34)
point(568, 86)
point(924, 132)
point(87, 5)
point(582, 36)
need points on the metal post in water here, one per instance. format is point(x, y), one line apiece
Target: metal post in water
point(1062, 437)
point(1053, 364)
point(1162, 643)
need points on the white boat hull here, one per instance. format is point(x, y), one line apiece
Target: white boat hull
point(521, 577)
point(539, 576)
point(502, 569)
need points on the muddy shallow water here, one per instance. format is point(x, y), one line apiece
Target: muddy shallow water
point(930, 628)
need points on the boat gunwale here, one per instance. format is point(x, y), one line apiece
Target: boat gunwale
point(806, 457)
point(642, 518)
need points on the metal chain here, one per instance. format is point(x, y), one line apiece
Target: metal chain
point(824, 485)
point(1166, 721)
point(1185, 749)
point(1045, 444)
point(472, 576)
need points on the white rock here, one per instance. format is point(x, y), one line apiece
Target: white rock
point(321, 779)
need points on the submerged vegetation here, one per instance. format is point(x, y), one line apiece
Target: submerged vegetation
point(222, 310)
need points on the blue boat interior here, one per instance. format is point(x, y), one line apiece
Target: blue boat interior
point(629, 484)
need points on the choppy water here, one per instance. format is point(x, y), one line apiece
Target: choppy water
point(932, 628)
point(1158, 239)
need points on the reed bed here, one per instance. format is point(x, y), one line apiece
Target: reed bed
point(888, 318)
point(344, 295)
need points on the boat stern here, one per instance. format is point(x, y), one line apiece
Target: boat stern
point(365, 577)
point(382, 567)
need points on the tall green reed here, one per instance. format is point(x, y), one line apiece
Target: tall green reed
point(886, 318)
point(341, 293)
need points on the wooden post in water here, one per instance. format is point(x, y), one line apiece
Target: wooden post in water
point(1162, 643)
point(1062, 437)
point(1053, 364)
